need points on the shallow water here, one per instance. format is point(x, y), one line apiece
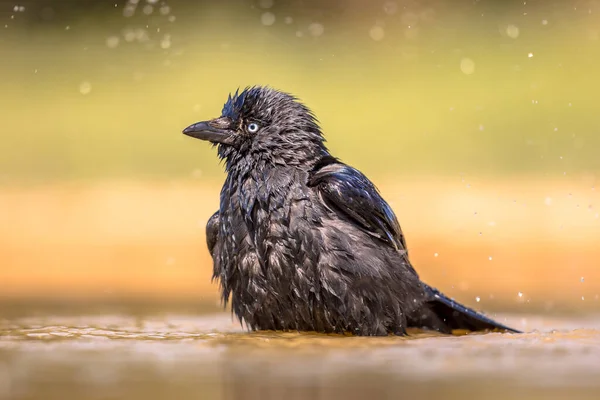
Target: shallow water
point(210, 356)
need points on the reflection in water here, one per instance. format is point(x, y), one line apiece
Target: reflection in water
point(212, 357)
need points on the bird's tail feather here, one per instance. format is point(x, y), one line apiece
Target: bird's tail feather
point(443, 314)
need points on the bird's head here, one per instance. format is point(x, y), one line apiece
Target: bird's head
point(266, 123)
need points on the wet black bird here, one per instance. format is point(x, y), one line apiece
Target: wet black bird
point(305, 242)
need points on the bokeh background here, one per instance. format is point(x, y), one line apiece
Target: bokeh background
point(478, 121)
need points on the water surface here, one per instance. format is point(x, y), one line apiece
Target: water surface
point(211, 356)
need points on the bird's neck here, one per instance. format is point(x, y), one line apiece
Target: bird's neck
point(264, 187)
point(263, 173)
point(240, 164)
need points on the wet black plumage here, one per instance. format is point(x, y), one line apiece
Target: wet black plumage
point(304, 242)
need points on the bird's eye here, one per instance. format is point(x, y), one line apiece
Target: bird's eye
point(253, 127)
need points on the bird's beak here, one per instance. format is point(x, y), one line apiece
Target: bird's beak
point(215, 131)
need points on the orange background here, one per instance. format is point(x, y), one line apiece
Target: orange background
point(478, 239)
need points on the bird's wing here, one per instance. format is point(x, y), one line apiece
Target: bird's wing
point(212, 231)
point(353, 196)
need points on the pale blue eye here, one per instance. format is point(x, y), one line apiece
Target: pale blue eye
point(253, 127)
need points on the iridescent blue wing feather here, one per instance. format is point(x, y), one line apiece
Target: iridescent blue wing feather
point(353, 196)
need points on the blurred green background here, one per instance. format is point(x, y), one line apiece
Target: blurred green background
point(477, 119)
point(101, 89)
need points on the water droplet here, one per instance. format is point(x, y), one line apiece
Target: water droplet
point(582, 298)
point(512, 31)
point(544, 22)
point(85, 87)
point(582, 279)
point(477, 299)
point(390, 7)
point(316, 29)
point(265, 3)
point(377, 33)
point(288, 20)
point(148, 9)
point(467, 66)
point(435, 254)
point(129, 10)
point(165, 43)
point(490, 258)
point(530, 55)
point(548, 201)
point(520, 294)
point(112, 41)
point(129, 35)
point(267, 19)
point(165, 9)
